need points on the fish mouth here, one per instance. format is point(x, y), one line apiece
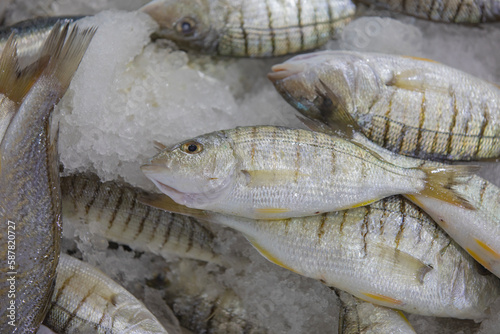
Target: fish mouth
point(151, 172)
point(282, 71)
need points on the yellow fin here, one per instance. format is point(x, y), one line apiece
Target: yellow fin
point(402, 315)
point(488, 249)
point(416, 80)
point(163, 202)
point(440, 182)
point(478, 258)
point(272, 210)
point(377, 298)
point(421, 59)
point(403, 265)
point(265, 253)
point(259, 178)
point(363, 203)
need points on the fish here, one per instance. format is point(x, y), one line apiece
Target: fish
point(475, 230)
point(269, 172)
point(203, 304)
point(85, 300)
point(31, 34)
point(112, 210)
point(450, 11)
point(412, 106)
point(244, 28)
point(389, 253)
point(29, 181)
point(360, 317)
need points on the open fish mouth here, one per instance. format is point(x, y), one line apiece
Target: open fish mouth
point(282, 71)
point(151, 172)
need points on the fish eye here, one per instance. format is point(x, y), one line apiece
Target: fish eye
point(191, 147)
point(186, 26)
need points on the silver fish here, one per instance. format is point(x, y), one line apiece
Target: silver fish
point(360, 317)
point(450, 11)
point(245, 28)
point(85, 300)
point(31, 34)
point(29, 181)
point(269, 172)
point(390, 253)
point(112, 210)
point(411, 106)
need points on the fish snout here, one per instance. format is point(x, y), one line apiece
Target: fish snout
point(151, 169)
point(282, 71)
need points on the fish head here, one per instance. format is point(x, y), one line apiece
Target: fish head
point(186, 22)
point(195, 172)
point(349, 78)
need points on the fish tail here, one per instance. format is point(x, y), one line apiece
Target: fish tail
point(66, 47)
point(441, 180)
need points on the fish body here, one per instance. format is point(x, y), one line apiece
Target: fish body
point(31, 34)
point(112, 210)
point(360, 317)
point(449, 11)
point(85, 300)
point(390, 253)
point(30, 195)
point(244, 28)
point(476, 230)
point(411, 106)
point(269, 172)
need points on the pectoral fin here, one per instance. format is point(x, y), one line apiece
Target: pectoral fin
point(402, 265)
point(416, 80)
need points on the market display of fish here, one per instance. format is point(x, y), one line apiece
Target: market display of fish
point(246, 28)
point(389, 253)
point(270, 172)
point(449, 11)
point(85, 300)
point(30, 194)
point(360, 317)
point(113, 211)
point(411, 106)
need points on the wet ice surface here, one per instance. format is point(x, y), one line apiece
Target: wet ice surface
point(129, 92)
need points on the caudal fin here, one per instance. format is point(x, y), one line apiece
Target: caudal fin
point(440, 182)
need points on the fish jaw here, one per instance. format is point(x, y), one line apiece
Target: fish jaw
point(285, 70)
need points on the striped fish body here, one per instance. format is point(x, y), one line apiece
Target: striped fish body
point(244, 28)
point(269, 172)
point(477, 230)
point(112, 209)
point(449, 11)
point(410, 106)
point(85, 300)
point(389, 253)
point(29, 183)
point(360, 317)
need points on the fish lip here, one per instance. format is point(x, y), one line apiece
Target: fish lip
point(283, 71)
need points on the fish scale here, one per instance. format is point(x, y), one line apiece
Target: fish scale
point(390, 253)
point(411, 106)
point(112, 210)
point(244, 28)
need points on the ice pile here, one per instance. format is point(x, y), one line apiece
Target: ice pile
point(129, 92)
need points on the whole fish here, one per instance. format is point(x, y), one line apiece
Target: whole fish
point(245, 28)
point(270, 172)
point(411, 106)
point(29, 182)
point(85, 300)
point(390, 253)
point(112, 210)
point(31, 34)
point(360, 317)
point(450, 11)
